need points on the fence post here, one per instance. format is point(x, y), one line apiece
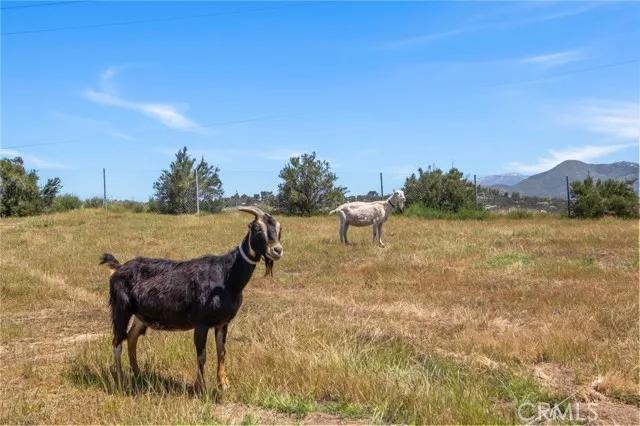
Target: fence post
point(475, 190)
point(381, 187)
point(197, 194)
point(104, 188)
point(568, 198)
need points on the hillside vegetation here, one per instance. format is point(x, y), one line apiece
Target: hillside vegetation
point(453, 322)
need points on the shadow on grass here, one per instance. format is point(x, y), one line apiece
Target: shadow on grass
point(147, 382)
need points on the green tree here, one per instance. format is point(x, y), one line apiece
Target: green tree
point(19, 191)
point(599, 198)
point(49, 192)
point(444, 191)
point(308, 186)
point(209, 187)
point(176, 187)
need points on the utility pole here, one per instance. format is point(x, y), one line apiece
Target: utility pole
point(475, 190)
point(104, 188)
point(197, 194)
point(568, 198)
point(381, 187)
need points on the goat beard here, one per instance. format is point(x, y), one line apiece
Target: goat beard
point(268, 264)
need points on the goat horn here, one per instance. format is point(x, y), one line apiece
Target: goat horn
point(252, 210)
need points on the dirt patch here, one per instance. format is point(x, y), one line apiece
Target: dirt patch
point(235, 413)
point(612, 413)
point(554, 377)
point(586, 402)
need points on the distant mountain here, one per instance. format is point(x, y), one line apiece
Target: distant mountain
point(552, 182)
point(498, 180)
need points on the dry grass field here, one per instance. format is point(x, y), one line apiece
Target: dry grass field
point(452, 322)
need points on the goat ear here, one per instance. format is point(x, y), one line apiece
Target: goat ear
point(252, 210)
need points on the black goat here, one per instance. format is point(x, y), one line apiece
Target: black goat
point(193, 294)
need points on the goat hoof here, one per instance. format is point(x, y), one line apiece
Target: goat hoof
point(223, 385)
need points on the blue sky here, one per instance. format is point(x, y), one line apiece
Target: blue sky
point(371, 87)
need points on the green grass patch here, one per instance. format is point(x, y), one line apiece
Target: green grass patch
point(508, 259)
point(297, 405)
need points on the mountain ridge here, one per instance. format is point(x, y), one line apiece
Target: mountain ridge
point(552, 183)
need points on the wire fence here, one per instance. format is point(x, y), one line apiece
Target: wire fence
point(190, 198)
point(493, 199)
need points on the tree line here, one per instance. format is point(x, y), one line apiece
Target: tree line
point(308, 186)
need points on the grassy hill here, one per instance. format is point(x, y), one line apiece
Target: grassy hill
point(453, 322)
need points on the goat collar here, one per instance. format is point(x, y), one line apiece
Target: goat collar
point(246, 258)
point(389, 201)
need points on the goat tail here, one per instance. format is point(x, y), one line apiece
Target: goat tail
point(334, 211)
point(110, 260)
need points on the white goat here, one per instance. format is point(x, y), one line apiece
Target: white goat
point(373, 213)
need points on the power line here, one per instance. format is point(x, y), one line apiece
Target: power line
point(564, 74)
point(144, 21)
point(43, 4)
point(247, 120)
point(215, 124)
point(39, 144)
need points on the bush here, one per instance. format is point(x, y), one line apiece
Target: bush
point(128, 205)
point(419, 210)
point(65, 202)
point(438, 190)
point(93, 203)
point(596, 199)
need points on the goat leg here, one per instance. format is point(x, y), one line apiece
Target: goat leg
point(137, 328)
point(346, 229)
point(380, 235)
point(221, 340)
point(117, 355)
point(200, 340)
point(120, 319)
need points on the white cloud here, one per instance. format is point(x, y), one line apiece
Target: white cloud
point(31, 160)
point(106, 79)
point(617, 121)
point(554, 59)
point(614, 119)
point(583, 153)
point(167, 114)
